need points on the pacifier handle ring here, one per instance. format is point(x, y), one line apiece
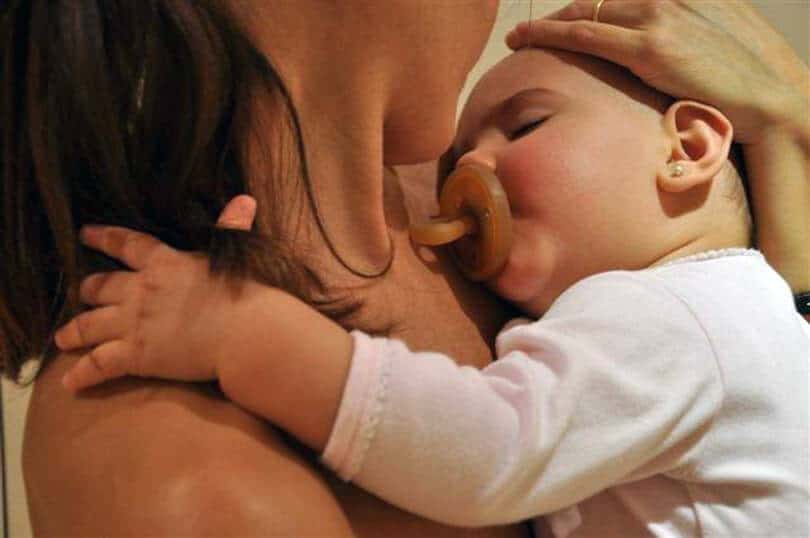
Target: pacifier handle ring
point(471, 193)
point(443, 230)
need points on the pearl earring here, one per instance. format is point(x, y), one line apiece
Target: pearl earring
point(676, 170)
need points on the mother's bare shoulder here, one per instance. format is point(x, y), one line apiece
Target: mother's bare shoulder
point(141, 457)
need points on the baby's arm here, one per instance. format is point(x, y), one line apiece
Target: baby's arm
point(525, 436)
point(574, 404)
point(171, 318)
point(291, 367)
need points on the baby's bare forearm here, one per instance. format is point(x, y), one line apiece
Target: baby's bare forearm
point(289, 365)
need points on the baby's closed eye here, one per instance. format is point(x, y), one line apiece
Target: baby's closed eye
point(525, 129)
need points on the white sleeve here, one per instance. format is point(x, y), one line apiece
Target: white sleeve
point(615, 383)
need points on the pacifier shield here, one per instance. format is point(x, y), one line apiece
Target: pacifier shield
point(474, 219)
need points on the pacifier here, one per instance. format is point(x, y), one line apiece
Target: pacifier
point(474, 221)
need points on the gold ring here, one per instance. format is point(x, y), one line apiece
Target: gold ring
point(596, 9)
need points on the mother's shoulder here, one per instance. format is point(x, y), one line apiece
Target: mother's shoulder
point(146, 457)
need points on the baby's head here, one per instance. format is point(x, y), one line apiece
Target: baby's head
point(588, 156)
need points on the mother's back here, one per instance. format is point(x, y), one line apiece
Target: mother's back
point(142, 114)
point(137, 457)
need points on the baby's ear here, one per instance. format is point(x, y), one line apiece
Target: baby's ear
point(701, 139)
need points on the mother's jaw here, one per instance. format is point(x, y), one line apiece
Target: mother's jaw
point(356, 67)
point(365, 96)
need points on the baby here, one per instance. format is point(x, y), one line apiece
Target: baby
point(663, 390)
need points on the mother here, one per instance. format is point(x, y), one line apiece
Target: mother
point(152, 114)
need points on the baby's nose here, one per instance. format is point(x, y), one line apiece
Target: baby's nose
point(478, 157)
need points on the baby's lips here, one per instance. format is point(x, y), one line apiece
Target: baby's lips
point(473, 205)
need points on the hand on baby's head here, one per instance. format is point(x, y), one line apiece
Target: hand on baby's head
point(602, 172)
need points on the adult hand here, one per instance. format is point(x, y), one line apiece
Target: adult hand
point(721, 52)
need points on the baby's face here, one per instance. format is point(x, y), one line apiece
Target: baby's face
point(576, 144)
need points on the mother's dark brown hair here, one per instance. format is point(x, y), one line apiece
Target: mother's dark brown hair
point(131, 113)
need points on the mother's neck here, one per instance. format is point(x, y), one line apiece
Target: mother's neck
point(341, 89)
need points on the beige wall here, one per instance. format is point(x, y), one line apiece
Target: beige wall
point(15, 402)
point(790, 16)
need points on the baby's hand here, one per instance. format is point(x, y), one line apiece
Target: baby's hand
point(167, 318)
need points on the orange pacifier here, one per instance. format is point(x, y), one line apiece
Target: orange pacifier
point(474, 220)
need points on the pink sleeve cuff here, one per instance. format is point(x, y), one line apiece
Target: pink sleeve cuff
point(360, 408)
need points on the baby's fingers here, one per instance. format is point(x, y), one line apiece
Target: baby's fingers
point(127, 246)
point(91, 328)
point(238, 214)
point(106, 288)
point(103, 363)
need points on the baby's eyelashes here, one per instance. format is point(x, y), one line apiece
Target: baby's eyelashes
point(525, 129)
point(481, 154)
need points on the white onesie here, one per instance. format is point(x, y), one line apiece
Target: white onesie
point(671, 401)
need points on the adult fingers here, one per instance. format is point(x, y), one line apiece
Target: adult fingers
point(127, 246)
point(619, 45)
point(106, 288)
point(238, 214)
point(91, 328)
point(103, 363)
point(627, 13)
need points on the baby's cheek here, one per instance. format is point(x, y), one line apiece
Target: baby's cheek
point(538, 166)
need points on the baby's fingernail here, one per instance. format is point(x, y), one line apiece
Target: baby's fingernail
point(89, 232)
point(57, 339)
point(67, 382)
